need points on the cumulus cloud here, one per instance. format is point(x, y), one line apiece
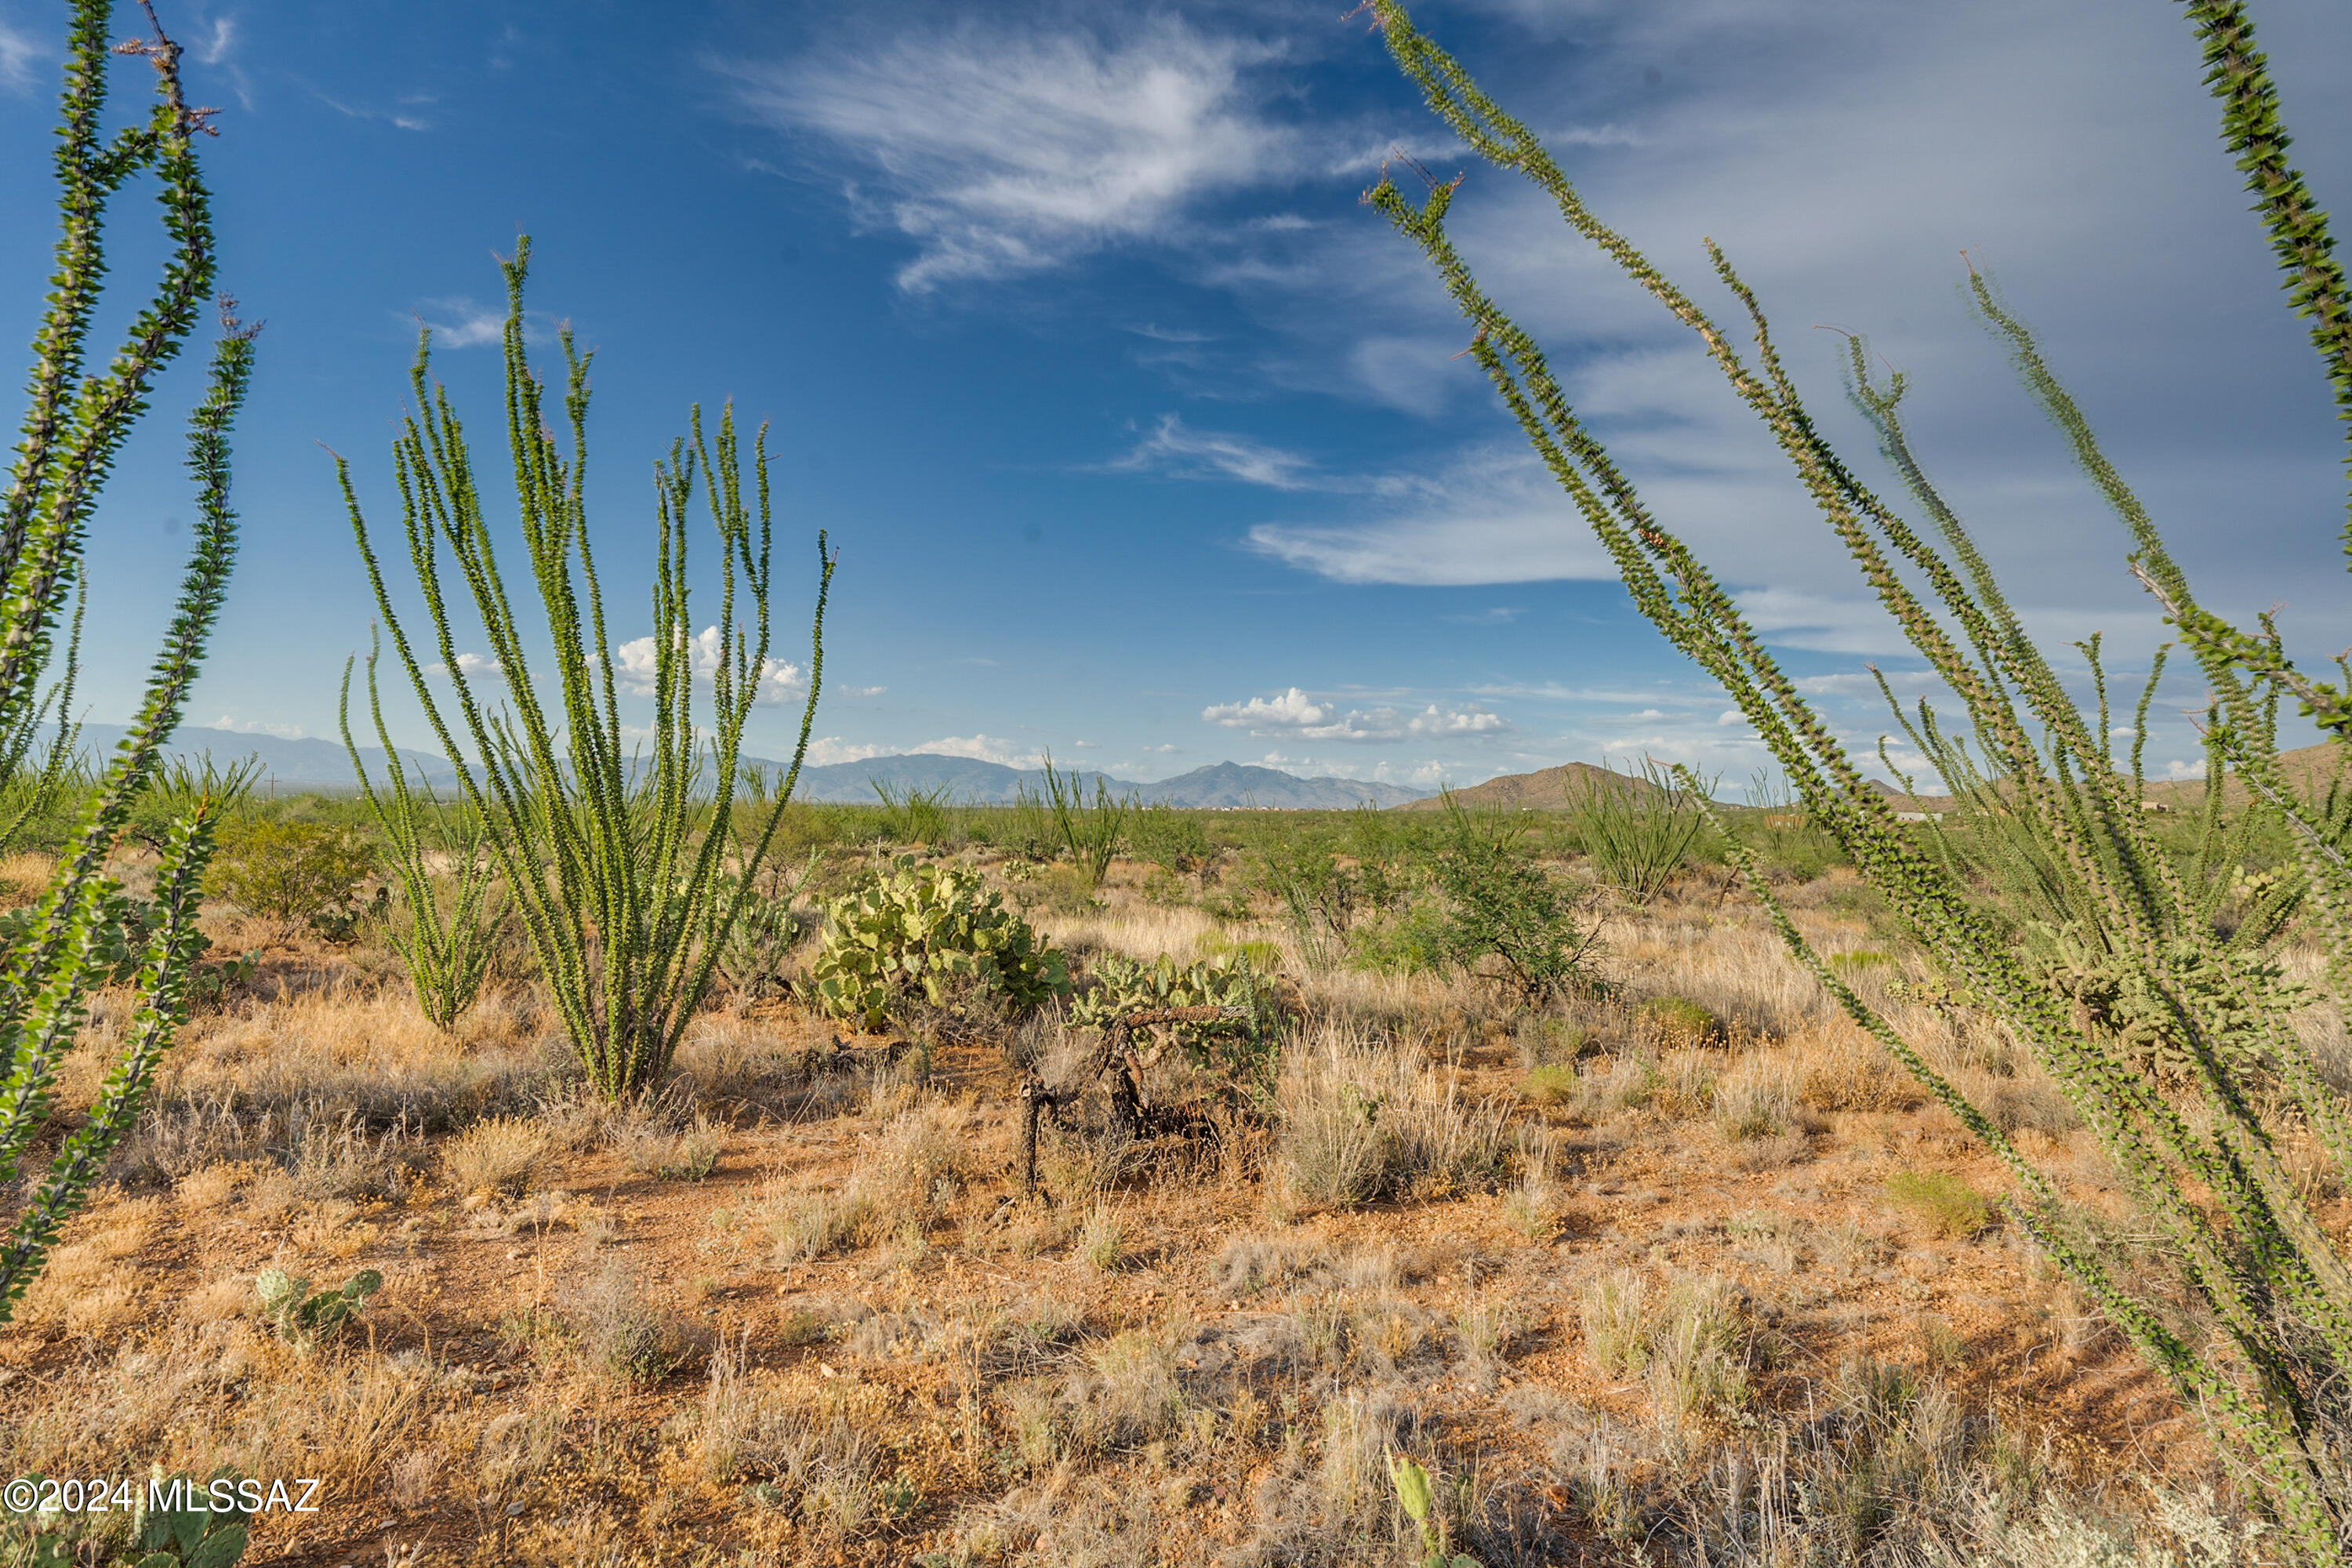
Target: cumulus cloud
point(826, 749)
point(469, 664)
point(1294, 714)
point(984, 748)
point(258, 727)
point(779, 681)
point(1002, 151)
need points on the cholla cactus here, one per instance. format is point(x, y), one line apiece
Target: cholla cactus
point(73, 430)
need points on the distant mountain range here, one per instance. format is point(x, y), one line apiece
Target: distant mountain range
point(324, 765)
point(298, 764)
point(1224, 786)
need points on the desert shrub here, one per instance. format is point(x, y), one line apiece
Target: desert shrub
point(1555, 1084)
point(2083, 887)
point(1361, 1122)
point(500, 1155)
point(1168, 837)
point(75, 421)
point(626, 1327)
point(291, 869)
point(1679, 1021)
point(933, 931)
point(1505, 918)
point(1413, 940)
point(913, 1169)
point(1944, 1204)
point(614, 848)
point(655, 1140)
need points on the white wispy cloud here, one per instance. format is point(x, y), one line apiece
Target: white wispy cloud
point(18, 55)
point(1294, 714)
point(1177, 451)
point(779, 680)
point(1002, 150)
point(1490, 515)
point(461, 324)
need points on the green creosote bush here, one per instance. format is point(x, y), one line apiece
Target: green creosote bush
point(1506, 919)
point(289, 870)
point(1680, 1020)
point(1170, 839)
point(1245, 1048)
point(305, 1320)
point(1944, 1204)
point(1414, 1495)
point(935, 930)
point(1555, 1084)
point(2250, 1320)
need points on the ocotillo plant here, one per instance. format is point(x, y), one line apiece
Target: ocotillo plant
point(617, 862)
point(1092, 834)
point(73, 428)
point(448, 948)
point(2173, 1042)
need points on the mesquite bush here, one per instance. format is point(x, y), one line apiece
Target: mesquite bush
point(626, 868)
point(75, 425)
point(2186, 1089)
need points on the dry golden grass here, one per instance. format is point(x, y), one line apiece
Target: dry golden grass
point(497, 1158)
point(852, 1343)
point(24, 878)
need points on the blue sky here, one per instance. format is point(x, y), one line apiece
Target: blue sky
point(1142, 441)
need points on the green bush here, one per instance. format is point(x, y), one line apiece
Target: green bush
point(1170, 837)
point(1681, 1020)
point(1121, 987)
point(1507, 918)
point(1553, 1085)
point(934, 929)
point(290, 870)
point(1947, 1204)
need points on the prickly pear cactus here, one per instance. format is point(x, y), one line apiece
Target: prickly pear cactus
point(1121, 985)
point(305, 1320)
point(937, 929)
point(206, 1536)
